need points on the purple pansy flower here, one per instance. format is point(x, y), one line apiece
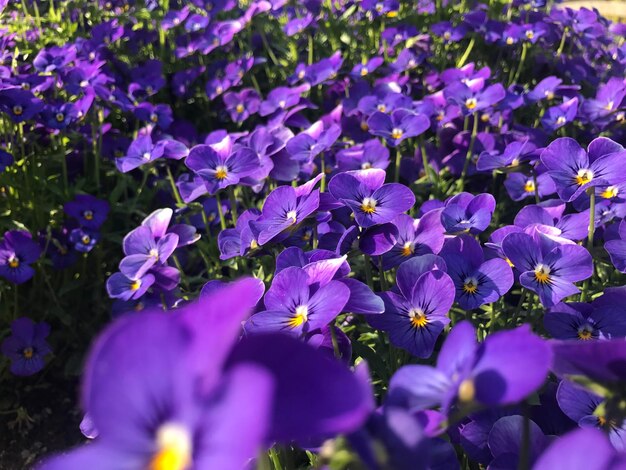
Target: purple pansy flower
point(242, 105)
point(584, 408)
point(143, 251)
point(397, 126)
point(415, 317)
point(602, 319)
point(89, 211)
point(219, 165)
point(556, 117)
point(504, 369)
point(415, 237)
point(477, 281)
point(466, 213)
point(140, 152)
point(574, 170)
point(27, 346)
point(301, 300)
point(84, 239)
point(17, 252)
point(154, 404)
point(547, 268)
point(283, 209)
point(371, 201)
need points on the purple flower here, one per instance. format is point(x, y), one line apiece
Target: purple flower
point(284, 209)
point(371, 154)
point(504, 369)
point(604, 318)
point(366, 67)
point(54, 58)
point(310, 143)
point(242, 105)
point(547, 268)
point(556, 117)
point(574, 170)
point(301, 300)
point(154, 403)
point(584, 408)
point(466, 213)
point(17, 252)
point(143, 251)
point(371, 201)
point(583, 449)
point(89, 211)
point(477, 281)
point(27, 346)
point(124, 288)
point(220, 166)
point(397, 126)
point(472, 100)
point(231, 241)
point(83, 239)
point(160, 115)
point(415, 317)
point(140, 152)
point(19, 104)
point(616, 248)
point(415, 237)
point(520, 186)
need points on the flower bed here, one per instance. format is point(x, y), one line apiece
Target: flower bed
point(280, 235)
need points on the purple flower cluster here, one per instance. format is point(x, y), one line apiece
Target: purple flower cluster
point(402, 223)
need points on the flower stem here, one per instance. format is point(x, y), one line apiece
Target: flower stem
point(233, 204)
point(466, 54)
point(396, 177)
point(333, 337)
point(521, 63)
point(220, 211)
point(584, 295)
point(170, 178)
point(470, 151)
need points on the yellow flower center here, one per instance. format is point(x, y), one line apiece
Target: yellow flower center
point(254, 245)
point(549, 94)
point(219, 89)
point(364, 126)
point(542, 274)
point(392, 14)
point(484, 117)
point(14, 262)
point(366, 165)
point(300, 317)
point(135, 285)
point(418, 318)
point(447, 35)
point(28, 353)
point(239, 108)
point(609, 106)
point(154, 253)
point(583, 176)
point(368, 205)
point(18, 110)
point(585, 333)
point(60, 117)
point(88, 215)
point(561, 120)
point(364, 71)
point(509, 262)
point(397, 133)
point(407, 249)
point(175, 448)
point(440, 115)
point(86, 239)
point(509, 40)
point(467, 390)
point(610, 192)
point(221, 172)
point(146, 156)
point(529, 187)
point(530, 34)
point(470, 285)
point(154, 117)
point(471, 103)
point(381, 107)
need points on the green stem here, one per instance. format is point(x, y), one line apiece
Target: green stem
point(470, 151)
point(275, 459)
point(368, 272)
point(591, 231)
point(396, 177)
point(562, 43)
point(220, 211)
point(521, 63)
point(333, 337)
point(466, 54)
point(233, 204)
point(170, 178)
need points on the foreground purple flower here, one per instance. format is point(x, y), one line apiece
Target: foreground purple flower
point(504, 369)
point(173, 391)
point(27, 346)
point(371, 201)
